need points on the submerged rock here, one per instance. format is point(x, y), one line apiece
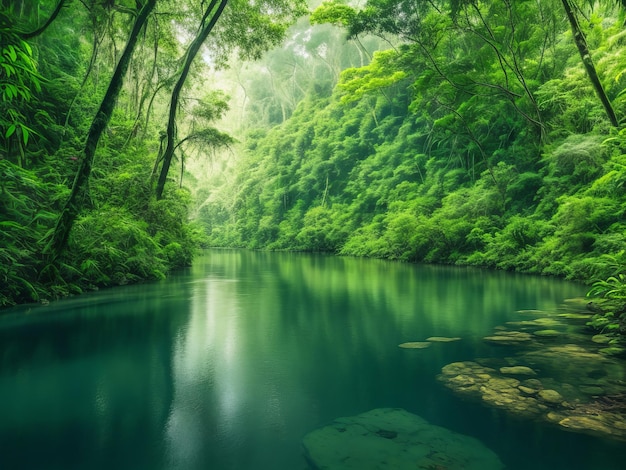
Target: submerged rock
point(532, 312)
point(613, 351)
point(575, 316)
point(484, 383)
point(601, 339)
point(517, 370)
point(442, 339)
point(551, 396)
point(528, 391)
point(394, 439)
point(508, 338)
point(546, 322)
point(595, 404)
point(591, 390)
point(415, 345)
point(605, 424)
point(547, 333)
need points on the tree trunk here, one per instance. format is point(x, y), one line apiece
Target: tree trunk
point(41, 29)
point(585, 55)
point(58, 241)
point(194, 47)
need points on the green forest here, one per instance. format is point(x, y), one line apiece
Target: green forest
point(466, 132)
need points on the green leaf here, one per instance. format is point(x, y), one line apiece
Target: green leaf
point(8, 69)
point(12, 52)
point(10, 131)
point(25, 133)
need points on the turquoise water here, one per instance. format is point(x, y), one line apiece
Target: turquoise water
point(229, 364)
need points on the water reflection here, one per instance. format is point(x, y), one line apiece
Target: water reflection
point(85, 381)
point(229, 364)
point(206, 397)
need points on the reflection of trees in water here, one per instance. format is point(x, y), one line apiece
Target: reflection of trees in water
point(85, 382)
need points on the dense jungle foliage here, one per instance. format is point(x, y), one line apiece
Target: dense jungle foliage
point(482, 133)
point(88, 119)
point(443, 131)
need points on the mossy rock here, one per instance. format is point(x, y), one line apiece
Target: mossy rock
point(550, 396)
point(415, 345)
point(601, 339)
point(508, 338)
point(575, 316)
point(547, 333)
point(517, 370)
point(394, 439)
point(442, 339)
point(613, 351)
point(531, 312)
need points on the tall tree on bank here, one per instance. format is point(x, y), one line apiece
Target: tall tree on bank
point(75, 202)
point(249, 27)
point(585, 55)
point(213, 11)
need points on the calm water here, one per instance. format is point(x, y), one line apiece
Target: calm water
point(229, 364)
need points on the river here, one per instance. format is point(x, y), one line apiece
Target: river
point(228, 364)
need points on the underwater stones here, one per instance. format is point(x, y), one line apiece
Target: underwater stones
point(581, 386)
point(575, 316)
point(501, 384)
point(576, 365)
point(550, 396)
point(469, 367)
point(517, 370)
point(613, 351)
point(585, 423)
point(533, 383)
point(564, 353)
point(601, 339)
point(508, 338)
point(543, 321)
point(442, 339)
point(547, 333)
point(388, 438)
point(427, 343)
point(462, 381)
point(531, 312)
point(606, 424)
point(591, 390)
point(484, 383)
point(601, 417)
point(528, 391)
point(415, 345)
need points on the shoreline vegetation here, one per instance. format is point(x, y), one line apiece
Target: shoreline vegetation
point(455, 133)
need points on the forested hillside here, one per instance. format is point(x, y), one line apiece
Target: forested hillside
point(445, 131)
point(102, 102)
point(480, 133)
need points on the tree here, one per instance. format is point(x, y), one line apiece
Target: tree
point(585, 55)
point(210, 18)
point(250, 27)
point(75, 202)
